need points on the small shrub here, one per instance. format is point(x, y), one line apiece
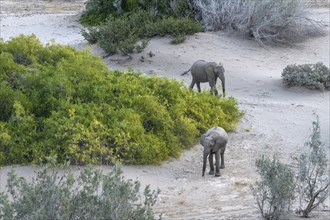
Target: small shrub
point(91, 34)
point(275, 189)
point(119, 35)
point(312, 76)
point(178, 39)
point(57, 194)
point(279, 184)
point(313, 174)
point(97, 11)
point(123, 34)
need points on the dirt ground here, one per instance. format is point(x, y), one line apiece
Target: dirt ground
point(277, 120)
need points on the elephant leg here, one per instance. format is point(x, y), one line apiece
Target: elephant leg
point(198, 86)
point(217, 163)
point(222, 161)
point(216, 91)
point(213, 88)
point(192, 84)
point(211, 164)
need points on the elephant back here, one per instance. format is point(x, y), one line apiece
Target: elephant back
point(198, 71)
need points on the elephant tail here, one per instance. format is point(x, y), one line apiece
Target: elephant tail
point(186, 72)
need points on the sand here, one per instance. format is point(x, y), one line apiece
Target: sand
point(278, 120)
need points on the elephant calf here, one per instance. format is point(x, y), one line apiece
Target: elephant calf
point(203, 71)
point(214, 142)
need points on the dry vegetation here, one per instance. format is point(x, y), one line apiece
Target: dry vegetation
point(266, 21)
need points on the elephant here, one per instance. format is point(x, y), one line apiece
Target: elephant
point(214, 141)
point(203, 71)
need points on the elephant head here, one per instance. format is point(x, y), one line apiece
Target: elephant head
point(217, 70)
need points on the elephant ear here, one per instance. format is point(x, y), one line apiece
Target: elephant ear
point(221, 67)
point(211, 141)
point(210, 68)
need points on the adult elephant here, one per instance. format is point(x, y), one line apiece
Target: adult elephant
point(203, 71)
point(214, 142)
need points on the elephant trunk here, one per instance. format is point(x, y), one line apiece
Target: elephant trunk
point(223, 86)
point(204, 161)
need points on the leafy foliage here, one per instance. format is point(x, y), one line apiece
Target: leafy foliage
point(312, 76)
point(275, 189)
point(173, 26)
point(57, 194)
point(66, 103)
point(313, 174)
point(130, 32)
point(118, 35)
point(97, 11)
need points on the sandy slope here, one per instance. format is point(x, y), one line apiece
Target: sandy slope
point(278, 120)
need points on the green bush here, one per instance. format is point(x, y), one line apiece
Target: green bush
point(67, 103)
point(312, 76)
point(120, 35)
point(58, 194)
point(274, 191)
point(172, 26)
point(130, 32)
point(97, 11)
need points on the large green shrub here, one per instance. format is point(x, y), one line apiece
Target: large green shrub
point(312, 76)
point(66, 103)
point(57, 193)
